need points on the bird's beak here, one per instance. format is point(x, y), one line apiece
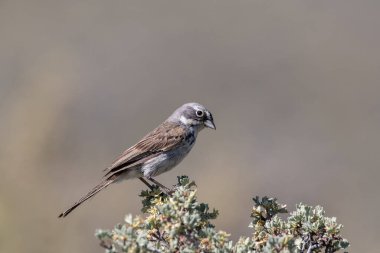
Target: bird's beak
point(210, 124)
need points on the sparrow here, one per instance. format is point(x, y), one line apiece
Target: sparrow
point(159, 151)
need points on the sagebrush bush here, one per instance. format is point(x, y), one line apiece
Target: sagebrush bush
point(179, 223)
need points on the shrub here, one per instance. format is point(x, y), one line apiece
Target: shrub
point(179, 223)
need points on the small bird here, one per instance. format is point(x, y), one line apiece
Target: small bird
point(159, 151)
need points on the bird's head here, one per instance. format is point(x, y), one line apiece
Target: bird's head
point(193, 115)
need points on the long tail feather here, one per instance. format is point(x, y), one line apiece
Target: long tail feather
point(94, 191)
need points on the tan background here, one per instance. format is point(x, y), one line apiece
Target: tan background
point(293, 86)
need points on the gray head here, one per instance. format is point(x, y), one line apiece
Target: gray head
point(193, 114)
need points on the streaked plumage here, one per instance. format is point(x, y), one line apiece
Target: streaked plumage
point(157, 152)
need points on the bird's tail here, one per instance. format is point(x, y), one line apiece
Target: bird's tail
point(94, 191)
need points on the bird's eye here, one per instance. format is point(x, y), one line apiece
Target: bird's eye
point(199, 113)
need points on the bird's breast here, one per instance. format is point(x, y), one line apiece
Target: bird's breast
point(169, 159)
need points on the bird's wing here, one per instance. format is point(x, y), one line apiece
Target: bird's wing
point(165, 137)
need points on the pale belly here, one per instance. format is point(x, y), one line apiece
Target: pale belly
point(165, 161)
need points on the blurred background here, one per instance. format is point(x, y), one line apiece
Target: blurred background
point(293, 86)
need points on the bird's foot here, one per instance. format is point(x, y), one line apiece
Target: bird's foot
point(167, 191)
point(164, 189)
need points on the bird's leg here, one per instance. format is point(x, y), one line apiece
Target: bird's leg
point(166, 189)
point(146, 183)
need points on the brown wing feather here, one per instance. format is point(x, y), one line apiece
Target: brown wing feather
point(165, 137)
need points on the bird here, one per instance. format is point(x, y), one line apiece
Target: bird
point(157, 152)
